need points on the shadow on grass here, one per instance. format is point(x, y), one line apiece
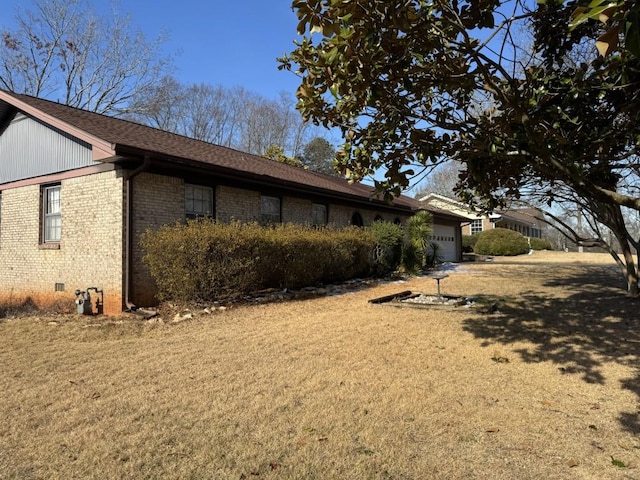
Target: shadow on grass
point(588, 323)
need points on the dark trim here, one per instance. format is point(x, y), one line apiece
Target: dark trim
point(59, 177)
point(180, 167)
point(7, 114)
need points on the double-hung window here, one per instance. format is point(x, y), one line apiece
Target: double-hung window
point(270, 210)
point(319, 213)
point(52, 214)
point(476, 226)
point(198, 201)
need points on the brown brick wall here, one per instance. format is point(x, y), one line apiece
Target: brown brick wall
point(297, 210)
point(90, 249)
point(157, 200)
point(91, 252)
point(237, 204)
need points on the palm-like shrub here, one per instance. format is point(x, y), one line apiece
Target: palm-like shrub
point(418, 242)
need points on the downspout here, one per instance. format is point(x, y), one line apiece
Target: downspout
point(128, 177)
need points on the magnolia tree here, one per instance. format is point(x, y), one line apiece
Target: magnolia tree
point(496, 86)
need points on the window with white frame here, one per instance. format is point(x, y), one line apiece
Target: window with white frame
point(270, 210)
point(198, 201)
point(319, 214)
point(52, 214)
point(476, 226)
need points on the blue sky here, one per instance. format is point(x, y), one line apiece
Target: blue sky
point(215, 42)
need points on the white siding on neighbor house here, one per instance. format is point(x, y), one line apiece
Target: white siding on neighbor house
point(30, 149)
point(445, 236)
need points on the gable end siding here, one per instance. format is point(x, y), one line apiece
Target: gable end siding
point(29, 149)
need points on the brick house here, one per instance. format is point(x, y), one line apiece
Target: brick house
point(526, 221)
point(77, 189)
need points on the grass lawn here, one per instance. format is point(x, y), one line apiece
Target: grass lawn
point(548, 387)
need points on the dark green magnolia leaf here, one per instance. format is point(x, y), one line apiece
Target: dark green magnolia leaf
point(632, 33)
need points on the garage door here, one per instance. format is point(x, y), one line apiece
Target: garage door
point(445, 236)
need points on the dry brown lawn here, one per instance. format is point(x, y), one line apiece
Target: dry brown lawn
point(548, 387)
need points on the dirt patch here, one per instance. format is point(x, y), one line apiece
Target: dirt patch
point(336, 387)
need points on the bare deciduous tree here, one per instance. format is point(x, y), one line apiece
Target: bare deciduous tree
point(161, 105)
point(62, 50)
point(441, 180)
point(272, 122)
point(232, 117)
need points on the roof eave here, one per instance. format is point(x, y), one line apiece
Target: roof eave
point(124, 154)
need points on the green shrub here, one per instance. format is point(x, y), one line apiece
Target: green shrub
point(501, 241)
point(203, 260)
point(469, 242)
point(433, 255)
point(388, 249)
point(540, 244)
point(411, 259)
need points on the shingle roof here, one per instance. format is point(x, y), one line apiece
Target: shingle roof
point(127, 136)
point(526, 216)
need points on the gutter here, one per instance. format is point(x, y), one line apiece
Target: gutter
point(128, 177)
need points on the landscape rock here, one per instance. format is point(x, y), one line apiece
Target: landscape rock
point(181, 318)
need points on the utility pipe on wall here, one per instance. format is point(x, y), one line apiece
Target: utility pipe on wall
point(128, 177)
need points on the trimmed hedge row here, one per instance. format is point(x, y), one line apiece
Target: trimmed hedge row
point(203, 260)
point(501, 241)
point(469, 243)
point(540, 244)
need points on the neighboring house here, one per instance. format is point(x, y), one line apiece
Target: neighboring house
point(77, 189)
point(526, 221)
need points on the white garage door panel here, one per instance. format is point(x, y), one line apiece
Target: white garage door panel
point(446, 237)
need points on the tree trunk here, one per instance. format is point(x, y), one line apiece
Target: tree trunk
point(632, 280)
point(629, 268)
point(611, 215)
